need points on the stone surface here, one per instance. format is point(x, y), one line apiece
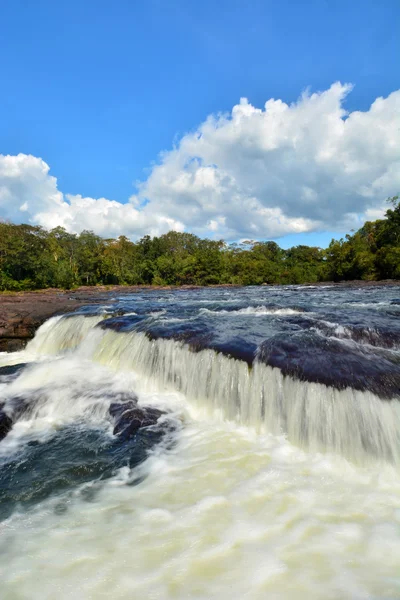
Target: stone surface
point(5, 424)
point(129, 418)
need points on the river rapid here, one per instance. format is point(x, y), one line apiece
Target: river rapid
point(273, 472)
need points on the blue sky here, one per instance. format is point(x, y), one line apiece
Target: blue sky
point(98, 89)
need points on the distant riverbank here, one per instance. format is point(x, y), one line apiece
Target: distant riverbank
point(21, 313)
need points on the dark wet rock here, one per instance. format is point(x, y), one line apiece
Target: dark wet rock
point(197, 336)
point(117, 409)
point(13, 344)
point(346, 326)
point(130, 418)
point(12, 369)
point(19, 406)
point(237, 348)
point(121, 397)
point(308, 356)
point(10, 372)
point(5, 424)
point(13, 409)
point(374, 336)
point(124, 323)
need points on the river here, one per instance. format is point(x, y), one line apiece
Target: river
point(273, 472)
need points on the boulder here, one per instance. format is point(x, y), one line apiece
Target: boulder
point(118, 408)
point(5, 423)
point(129, 418)
point(14, 409)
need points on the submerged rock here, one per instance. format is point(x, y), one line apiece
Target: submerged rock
point(13, 409)
point(5, 423)
point(118, 408)
point(308, 356)
point(21, 405)
point(122, 323)
point(11, 370)
point(130, 418)
point(73, 455)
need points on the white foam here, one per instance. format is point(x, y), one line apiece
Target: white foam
point(157, 313)
point(225, 514)
point(256, 311)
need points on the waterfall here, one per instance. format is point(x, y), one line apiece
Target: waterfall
point(355, 424)
point(62, 333)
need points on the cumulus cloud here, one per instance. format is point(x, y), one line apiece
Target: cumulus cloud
point(283, 169)
point(28, 193)
point(258, 173)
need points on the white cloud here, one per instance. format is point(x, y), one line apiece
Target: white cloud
point(29, 193)
point(257, 173)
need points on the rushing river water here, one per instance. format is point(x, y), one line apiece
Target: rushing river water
point(273, 471)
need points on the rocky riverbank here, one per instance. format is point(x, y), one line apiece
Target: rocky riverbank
point(23, 312)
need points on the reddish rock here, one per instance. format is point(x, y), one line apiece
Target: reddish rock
point(22, 313)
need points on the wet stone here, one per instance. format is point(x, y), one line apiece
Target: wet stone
point(13, 409)
point(5, 424)
point(131, 418)
point(10, 372)
point(122, 323)
point(117, 409)
point(22, 405)
point(338, 365)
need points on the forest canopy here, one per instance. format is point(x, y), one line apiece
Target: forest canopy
point(33, 258)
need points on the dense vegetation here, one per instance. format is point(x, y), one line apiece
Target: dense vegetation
point(31, 257)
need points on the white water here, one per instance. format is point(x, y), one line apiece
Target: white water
point(357, 425)
point(62, 333)
point(256, 311)
point(226, 515)
point(231, 511)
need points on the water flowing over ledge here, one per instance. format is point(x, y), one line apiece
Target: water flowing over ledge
point(356, 424)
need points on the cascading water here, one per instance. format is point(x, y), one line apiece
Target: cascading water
point(354, 423)
point(60, 334)
point(266, 395)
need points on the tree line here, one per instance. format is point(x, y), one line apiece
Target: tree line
point(34, 258)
